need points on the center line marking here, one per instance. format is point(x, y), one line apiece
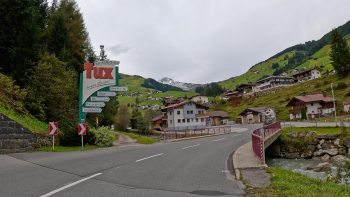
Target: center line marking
point(190, 146)
point(149, 157)
point(218, 139)
point(69, 185)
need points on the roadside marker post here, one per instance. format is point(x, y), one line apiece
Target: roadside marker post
point(53, 130)
point(82, 132)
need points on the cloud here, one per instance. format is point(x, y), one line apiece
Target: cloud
point(204, 40)
point(117, 49)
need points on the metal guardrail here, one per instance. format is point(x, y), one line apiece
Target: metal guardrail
point(260, 135)
point(184, 132)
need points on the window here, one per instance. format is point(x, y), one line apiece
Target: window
point(188, 120)
point(183, 120)
point(178, 112)
point(170, 113)
point(171, 121)
point(179, 120)
point(202, 119)
point(196, 119)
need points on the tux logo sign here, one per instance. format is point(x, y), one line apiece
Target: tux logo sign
point(97, 76)
point(98, 72)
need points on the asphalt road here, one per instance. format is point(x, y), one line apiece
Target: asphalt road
point(196, 167)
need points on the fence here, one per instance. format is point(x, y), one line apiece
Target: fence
point(260, 135)
point(184, 132)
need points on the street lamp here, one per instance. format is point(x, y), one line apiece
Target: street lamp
point(335, 110)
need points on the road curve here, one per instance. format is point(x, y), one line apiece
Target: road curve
point(195, 167)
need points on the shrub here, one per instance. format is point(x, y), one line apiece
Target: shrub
point(104, 136)
point(341, 86)
point(68, 134)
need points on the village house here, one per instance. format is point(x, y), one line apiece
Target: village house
point(255, 115)
point(200, 99)
point(313, 106)
point(217, 118)
point(231, 94)
point(246, 88)
point(186, 114)
point(274, 82)
point(159, 123)
point(307, 75)
point(346, 106)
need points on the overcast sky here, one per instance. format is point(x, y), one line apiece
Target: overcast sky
point(202, 41)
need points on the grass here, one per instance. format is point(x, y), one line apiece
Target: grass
point(281, 97)
point(286, 183)
point(257, 71)
point(65, 148)
point(27, 121)
point(141, 139)
point(318, 130)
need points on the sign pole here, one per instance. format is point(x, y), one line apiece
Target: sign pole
point(82, 141)
point(53, 142)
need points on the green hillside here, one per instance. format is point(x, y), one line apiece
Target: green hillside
point(280, 98)
point(135, 85)
point(312, 53)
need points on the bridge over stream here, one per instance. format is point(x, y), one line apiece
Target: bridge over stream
point(263, 137)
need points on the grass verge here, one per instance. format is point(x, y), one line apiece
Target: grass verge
point(287, 183)
point(65, 148)
point(27, 121)
point(141, 139)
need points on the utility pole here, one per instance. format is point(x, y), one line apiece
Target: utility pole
point(335, 110)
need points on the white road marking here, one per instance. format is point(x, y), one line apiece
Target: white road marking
point(69, 185)
point(190, 146)
point(149, 157)
point(237, 134)
point(218, 139)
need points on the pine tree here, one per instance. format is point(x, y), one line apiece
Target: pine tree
point(340, 54)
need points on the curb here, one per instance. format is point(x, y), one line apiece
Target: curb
point(235, 163)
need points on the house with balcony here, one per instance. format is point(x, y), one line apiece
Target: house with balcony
point(312, 106)
point(200, 99)
point(246, 88)
point(272, 82)
point(307, 75)
point(255, 115)
point(186, 114)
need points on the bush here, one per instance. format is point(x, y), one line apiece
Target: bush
point(68, 134)
point(341, 86)
point(104, 137)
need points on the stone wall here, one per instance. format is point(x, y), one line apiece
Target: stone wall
point(16, 138)
point(307, 145)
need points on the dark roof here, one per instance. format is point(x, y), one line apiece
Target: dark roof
point(255, 109)
point(246, 85)
point(218, 114)
point(311, 98)
point(303, 72)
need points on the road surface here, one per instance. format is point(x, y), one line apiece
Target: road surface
point(196, 167)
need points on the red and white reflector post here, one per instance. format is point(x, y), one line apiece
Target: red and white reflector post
point(53, 130)
point(82, 132)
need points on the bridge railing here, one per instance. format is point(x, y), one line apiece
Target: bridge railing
point(185, 132)
point(260, 135)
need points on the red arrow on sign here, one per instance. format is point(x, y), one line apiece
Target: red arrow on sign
point(53, 128)
point(81, 129)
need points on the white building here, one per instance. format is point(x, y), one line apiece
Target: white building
point(314, 106)
point(307, 75)
point(200, 99)
point(274, 82)
point(186, 114)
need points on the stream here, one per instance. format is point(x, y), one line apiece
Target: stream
point(333, 172)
